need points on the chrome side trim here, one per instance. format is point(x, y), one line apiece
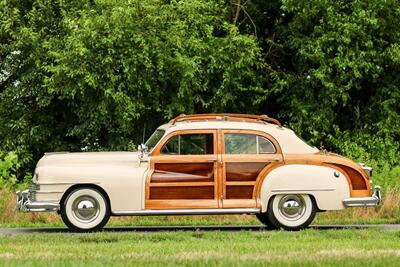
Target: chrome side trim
point(66, 183)
point(187, 212)
point(306, 189)
point(371, 201)
point(49, 191)
point(25, 204)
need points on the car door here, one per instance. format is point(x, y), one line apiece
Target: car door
point(246, 155)
point(183, 171)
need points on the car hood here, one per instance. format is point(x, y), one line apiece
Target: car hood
point(98, 158)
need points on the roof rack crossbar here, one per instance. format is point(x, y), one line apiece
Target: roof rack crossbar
point(224, 116)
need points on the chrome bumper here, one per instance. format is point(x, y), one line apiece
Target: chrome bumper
point(373, 200)
point(24, 203)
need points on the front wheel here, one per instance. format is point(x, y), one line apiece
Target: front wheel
point(85, 210)
point(291, 212)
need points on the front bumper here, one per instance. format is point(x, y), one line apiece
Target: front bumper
point(371, 201)
point(25, 203)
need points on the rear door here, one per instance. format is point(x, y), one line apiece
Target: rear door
point(246, 157)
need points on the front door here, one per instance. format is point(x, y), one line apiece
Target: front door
point(184, 172)
point(246, 157)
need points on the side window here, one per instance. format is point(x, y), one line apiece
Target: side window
point(265, 146)
point(189, 144)
point(236, 143)
point(240, 143)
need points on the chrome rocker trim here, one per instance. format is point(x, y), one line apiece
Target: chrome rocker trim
point(373, 200)
point(25, 204)
point(187, 212)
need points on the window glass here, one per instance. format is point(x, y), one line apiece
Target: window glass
point(265, 146)
point(189, 144)
point(154, 138)
point(236, 143)
point(171, 147)
point(240, 143)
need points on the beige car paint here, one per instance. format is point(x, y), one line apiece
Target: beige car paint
point(318, 181)
point(120, 174)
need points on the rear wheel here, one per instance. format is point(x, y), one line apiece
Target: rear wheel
point(85, 210)
point(291, 212)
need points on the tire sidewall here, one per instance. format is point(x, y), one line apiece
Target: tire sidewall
point(77, 225)
point(280, 221)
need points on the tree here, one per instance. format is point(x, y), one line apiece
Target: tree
point(92, 74)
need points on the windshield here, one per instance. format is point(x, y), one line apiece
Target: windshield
point(154, 139)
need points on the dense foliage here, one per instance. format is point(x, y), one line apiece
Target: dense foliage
point(91, 75)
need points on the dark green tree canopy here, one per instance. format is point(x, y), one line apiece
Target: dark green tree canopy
point(91, 75)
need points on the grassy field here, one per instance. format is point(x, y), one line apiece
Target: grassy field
point(365, 247)
point(311, 247)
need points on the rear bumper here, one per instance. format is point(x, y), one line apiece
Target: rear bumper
point(25, 203)
point(371, 201)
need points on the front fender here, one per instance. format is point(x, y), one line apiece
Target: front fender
point(328, 190)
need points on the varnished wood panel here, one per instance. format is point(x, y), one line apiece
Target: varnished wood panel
point(182, 192)
point(243, 171)
point(182, 184)
point(239, 203)
point(357, 181)
point(181, 204)
point(183, 172)
point(239, 192)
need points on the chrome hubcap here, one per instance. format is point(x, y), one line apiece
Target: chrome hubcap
point(86, 208)
point(292, 207)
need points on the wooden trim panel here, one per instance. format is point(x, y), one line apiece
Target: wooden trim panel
point(240, 203)
point(348, 168)
point(243, 171)
point(181, 204)
point(174, 184)
point(182, 192)
point(183, 172)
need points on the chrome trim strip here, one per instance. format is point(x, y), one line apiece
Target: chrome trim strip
point(309, 189)
point(48, 191)
point(66, 183)
point(371, 201)
point(186, 212)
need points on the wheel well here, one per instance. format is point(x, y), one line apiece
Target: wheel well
point(93, 186)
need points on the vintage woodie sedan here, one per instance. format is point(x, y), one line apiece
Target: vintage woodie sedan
point(202, 164)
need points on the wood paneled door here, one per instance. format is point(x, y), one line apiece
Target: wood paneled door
point(184, 172)
point(246, 157)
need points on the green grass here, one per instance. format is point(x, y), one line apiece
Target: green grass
point(365, 247)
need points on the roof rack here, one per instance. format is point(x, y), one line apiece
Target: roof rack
point(226, 117)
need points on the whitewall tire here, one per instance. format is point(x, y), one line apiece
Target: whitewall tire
point(291, 212)
point(85, 210)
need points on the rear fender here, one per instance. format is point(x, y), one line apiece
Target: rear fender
point(328, 186)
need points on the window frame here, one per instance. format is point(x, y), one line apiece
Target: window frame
point(265, 135)
point(179, 136)
point(169, 136)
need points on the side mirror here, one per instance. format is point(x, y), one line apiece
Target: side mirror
point(143, 150)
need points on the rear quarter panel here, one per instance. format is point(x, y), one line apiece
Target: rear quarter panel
point(318, 181)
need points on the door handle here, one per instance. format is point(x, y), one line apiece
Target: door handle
point(275, 159)
point(211, 160)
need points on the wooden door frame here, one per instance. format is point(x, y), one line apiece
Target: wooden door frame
point(157, 157)
point(275, 159)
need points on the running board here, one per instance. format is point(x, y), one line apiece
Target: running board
point(186, 212)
